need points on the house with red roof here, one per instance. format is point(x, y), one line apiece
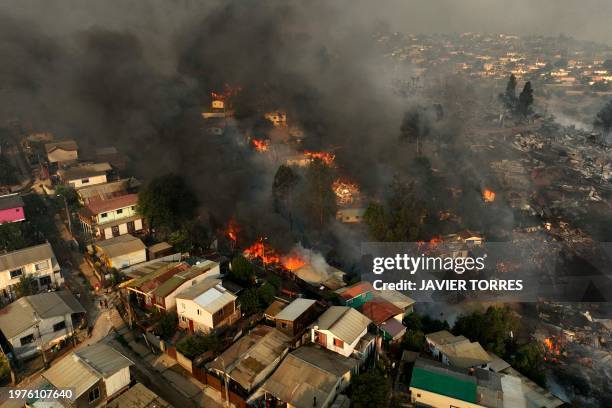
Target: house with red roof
point(356, 295)
point(386, 316)
point(11, 209)
point(116, 216)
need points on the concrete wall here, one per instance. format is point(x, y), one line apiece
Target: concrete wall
point(117, 381)
point(30, 269)
point(346, 350)
point(123, 261)
point(49, 337)
point(88, 181)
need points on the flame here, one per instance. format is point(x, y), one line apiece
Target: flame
point(262, 251)
point(435, 241)
point(327, 158)
point(260, 145)
point(345, 191)
point(293, 262)
point(232, 231)
point(552, 347)
point(488, 195)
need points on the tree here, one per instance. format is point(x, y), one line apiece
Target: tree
point(167, 202)
point(8, 173)
point(69, 194)
point(528, 360)
point(525, 99)
point(400, 220)
point(195, 345)
point(191, 236)
point(603, 120)
point(509, 96)
point(242, 271)
point(12, 237)
point(266, 294)
point(285, 181)
point(369, 389)
point(249, 301)
point(166, 327)
point(25, 286)
point(414, 340)
point(491, 329)
point(415, 127)
point(5, 369)
point(318, 196)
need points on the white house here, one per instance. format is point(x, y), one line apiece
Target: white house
point(85, 174)
point(42, 320)
point(116, 216)
point(38, 261)
point(121, 252)
point(339, 329)
point(95, 373)
point(206, 306)
point(457, 351)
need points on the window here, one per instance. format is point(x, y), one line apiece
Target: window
point(85, 181)
point(120, 211)
point(198, 311)
point(16, 273)
point(133, 208)
point(41, 266)
point(94, 394)
point(418, 395)
point(338, 343)
point(44, 281)
point(27, 340)
point(103, 215)
point(59, 326)
point(284, 325)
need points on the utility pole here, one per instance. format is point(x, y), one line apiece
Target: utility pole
point(227, 402)
point(40, 340)
point(67, 213)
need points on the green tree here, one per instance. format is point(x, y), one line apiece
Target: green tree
point(195, 345)
point(242, 271)
point(283, 187)
point(318, 196)
point(369, 389)
point(167, 202)
point(70, 194)
point(525, 99)
point(191, 237)
point(8, 173)
point(25, 286)
point(509, 96)
point(603, 120)
point(491, 329)
point(12, 237)
point(167, 325)
point(249, 301)
point(528, 360)
point(266, 294)
point(401, 219)
point(5, 369)
point(414, 340)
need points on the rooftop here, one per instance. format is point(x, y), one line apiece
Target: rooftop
point(18, 316)
point(443, 382)
point(62, 144)
point(106, 191)
point(379, 310)
point(176, 280)
point(138, 396)
point(209, 294)
point(84, 170)
point(252, 353)
point(11, 201)
point(295, 309)
point(114, 203)
point(459, 350)
point(344, 322)
point(121, 245)
point(275, 308)
point(357, 289)
point(26, 256)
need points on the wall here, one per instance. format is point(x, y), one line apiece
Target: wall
point(49, 337)
point(126, 260)
point(76, 183)
point(117, 381)
point(60, 155)
point(437, 400)
point(189, 310)
point(30, 269)
point(116, 214)
point(12, 215)
point(346, 351)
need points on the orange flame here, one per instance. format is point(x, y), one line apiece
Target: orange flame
point(488, 195)
point(232, 231)
point(345, 191)
point(552, 346)
point(293, 262)
point(435, 241)
point(263, 252)
point(327, 158)
point(260, 145)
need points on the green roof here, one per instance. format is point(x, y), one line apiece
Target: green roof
point(443, 384)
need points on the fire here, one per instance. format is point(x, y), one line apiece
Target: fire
point(488, 195)
point(435, 241)
point(293, 262)
point(345, 191)
point(262, 251)
point(327, 158)
point(260, 145)
point(232, 231)
point(552, 347)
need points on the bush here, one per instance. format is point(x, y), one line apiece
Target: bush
point(195, 345)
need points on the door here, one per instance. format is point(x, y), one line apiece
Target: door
point(191, 325)
point(322, 339)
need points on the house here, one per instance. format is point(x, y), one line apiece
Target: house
point(308, 377)
point(41, 320)
point(356, 295)
point(62, 151)
point(339, 329)
point(164, 281)
point(350, 215)
point(84, 174)
point(11, 209)
point(325, 275)
point(457, 351)
point(398, 299)
point(435, 385)
point(95, 373)
point(387, 317)
point(138, 396)
point(111, 218)
point(159, 250)
point(294, 319)
point(100, 192)
point(121, 252)
point(206, 306)
point(251, 359)
point(274, 308)
point(37, 261)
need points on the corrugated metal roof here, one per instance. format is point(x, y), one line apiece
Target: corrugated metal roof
point(121, 245)
point(115, 203)
point(138, 396)
point(344, 322)
point(26, 256)
point(251, 354)
point(379, 310)
point(11, 201)
point(19, 315)
point(182, 276)
point(83, 368)
point(295, 309)
point(209, 294)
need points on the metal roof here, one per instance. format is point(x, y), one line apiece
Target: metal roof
point(121, 245)
point(295, 309)
point(26, 256)
point(83, 368)
point(11, 201)
point(138, 396)
point(251, 354)
point(183, 276)
point(308, 373)
point(344, 322)
point(209, 294)
point(431, 376)
point(84, 170)
point(18, 316)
